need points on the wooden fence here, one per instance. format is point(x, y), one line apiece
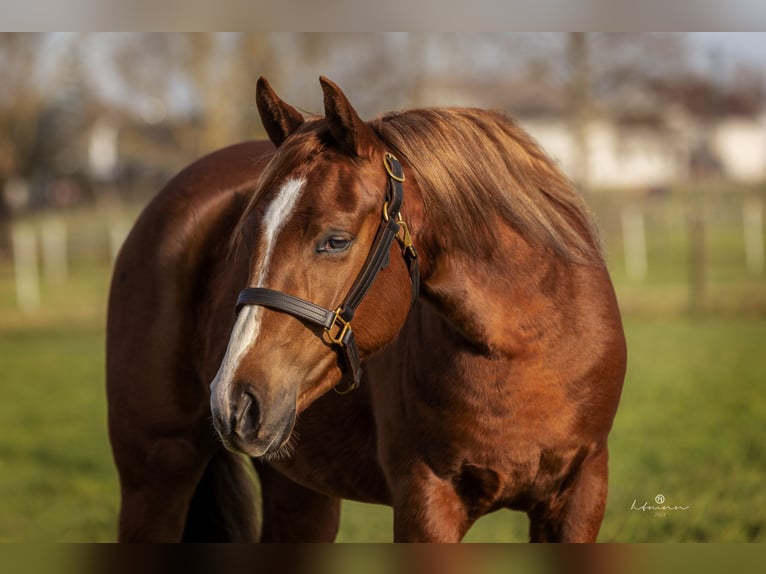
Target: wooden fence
point(692, 251)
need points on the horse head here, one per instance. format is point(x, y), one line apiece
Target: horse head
point(322, 221)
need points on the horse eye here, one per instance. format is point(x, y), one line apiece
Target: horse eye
point(335, 244)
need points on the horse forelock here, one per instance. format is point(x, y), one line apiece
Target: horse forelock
point(291, 161)
point(472, 165)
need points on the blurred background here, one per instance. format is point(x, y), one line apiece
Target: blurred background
point(665, 134)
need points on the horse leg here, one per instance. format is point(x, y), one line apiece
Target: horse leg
point(428, 508)
point(293, 513)
point(576, 513)
point(158, 478)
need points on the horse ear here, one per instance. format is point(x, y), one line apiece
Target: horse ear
point(354, 135)
point(279, 119)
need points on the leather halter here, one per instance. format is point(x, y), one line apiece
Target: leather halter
point(337, 324)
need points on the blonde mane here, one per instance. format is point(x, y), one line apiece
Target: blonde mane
point(470, 163)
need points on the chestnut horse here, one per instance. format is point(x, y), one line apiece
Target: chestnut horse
point(266, 275)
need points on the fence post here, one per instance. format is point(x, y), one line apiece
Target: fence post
point(54, 248)
point(697, 256)
point(25, 267)
point(634, 242)
point(752, 217)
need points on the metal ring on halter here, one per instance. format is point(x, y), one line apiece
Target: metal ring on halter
point(389, 168)
point(386, 216)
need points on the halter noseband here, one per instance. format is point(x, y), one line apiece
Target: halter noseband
point(337, 324)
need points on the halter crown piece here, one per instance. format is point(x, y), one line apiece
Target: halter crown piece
point(337, 324)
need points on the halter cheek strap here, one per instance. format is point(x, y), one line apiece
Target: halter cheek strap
point(336, 325)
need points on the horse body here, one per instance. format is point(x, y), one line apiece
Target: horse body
point(497, 389)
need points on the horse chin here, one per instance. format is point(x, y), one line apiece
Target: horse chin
point(275, 443)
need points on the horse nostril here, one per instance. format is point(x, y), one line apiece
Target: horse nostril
point(249, 419)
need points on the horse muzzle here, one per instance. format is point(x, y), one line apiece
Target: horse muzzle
point(246, 426)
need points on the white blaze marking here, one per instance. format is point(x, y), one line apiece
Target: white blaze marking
point(274, 220)
point(248, 324)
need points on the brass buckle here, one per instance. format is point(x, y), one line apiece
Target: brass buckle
point(386, 162)
point(404, 238)
point(343, 327)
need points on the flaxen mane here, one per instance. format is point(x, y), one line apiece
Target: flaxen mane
point(470, 163)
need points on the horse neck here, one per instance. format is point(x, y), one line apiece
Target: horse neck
point(505, 302)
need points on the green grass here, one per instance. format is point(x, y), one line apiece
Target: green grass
point(57, 481)
point(691, 427)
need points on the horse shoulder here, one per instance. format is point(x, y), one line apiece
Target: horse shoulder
point(166, 265)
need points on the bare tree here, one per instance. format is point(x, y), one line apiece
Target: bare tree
point(628, 59)
point(21, 106)
point(223, 70)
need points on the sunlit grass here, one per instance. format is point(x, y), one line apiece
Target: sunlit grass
point(56, 475)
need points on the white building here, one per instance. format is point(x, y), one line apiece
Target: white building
point(635, 155)
point(740, 144)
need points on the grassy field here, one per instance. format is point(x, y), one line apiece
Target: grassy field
point(691, 425)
